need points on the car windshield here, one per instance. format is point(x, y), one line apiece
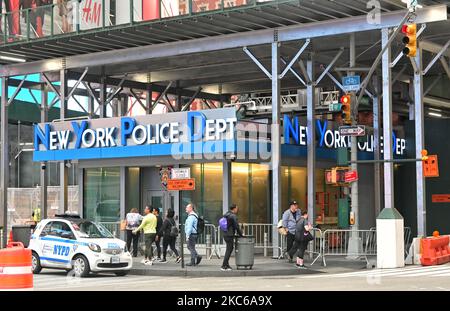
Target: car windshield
point(88, 229)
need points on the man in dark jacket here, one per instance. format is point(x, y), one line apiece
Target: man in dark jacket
point(159, 233)
point(228, 236)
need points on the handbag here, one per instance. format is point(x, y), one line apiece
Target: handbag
point(307, 236)
point(123, 225)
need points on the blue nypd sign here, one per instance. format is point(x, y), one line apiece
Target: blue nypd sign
point(295, 133)
point(205, 131)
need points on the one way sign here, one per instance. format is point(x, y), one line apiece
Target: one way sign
point(352, 130)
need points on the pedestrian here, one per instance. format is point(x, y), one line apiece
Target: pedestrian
point(302, 238)
point(133, 220)
point(289, 221)
point(229, 234)
point(149, 226)
point(170, 232)
point(65, 12)
point(190, 229)
point(159, 224)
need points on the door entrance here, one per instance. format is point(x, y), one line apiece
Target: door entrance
point(160, 199)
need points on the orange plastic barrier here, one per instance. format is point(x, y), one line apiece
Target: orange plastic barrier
point(15, 267)
point(435, 251)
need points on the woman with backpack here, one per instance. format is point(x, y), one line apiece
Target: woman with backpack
point(170, 232)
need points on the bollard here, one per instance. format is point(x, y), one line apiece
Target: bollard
point(266, 242)
point(208, 246)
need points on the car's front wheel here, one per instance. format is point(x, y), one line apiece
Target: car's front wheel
point(80, 266)
point(35, 263)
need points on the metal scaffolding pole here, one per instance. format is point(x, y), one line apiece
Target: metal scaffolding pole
point(311, 139)
point(226, 186)
point(43, 172)
point(376, 146)
point(419, 129)
point(276, 143)
point(63, 169)
point(387, 122)
point(354, 141)
point(103, 97)
point(4, 165)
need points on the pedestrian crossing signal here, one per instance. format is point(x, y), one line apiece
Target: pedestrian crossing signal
point(410, 40)
point(430, 166)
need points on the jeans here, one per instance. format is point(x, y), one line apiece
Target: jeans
point(230, 245)
point(149, 238)
point(158, 246)
point(133, 238)
point(290, 238)
point(300, 246)
point(169, 241)
point(191, 247)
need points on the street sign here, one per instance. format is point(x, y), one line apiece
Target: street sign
point(335, 107)
point(181, 173)
point(440, 198)
point(352, 130)
point(351, 176)
point(181, 184)
point(351, 83)
point(430, 166)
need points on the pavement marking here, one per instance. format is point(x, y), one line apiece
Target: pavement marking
point(431, 271)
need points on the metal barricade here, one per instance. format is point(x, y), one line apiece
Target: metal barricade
point(407, 238)
point(315, 246)
point(347, 242)
point(263, 234)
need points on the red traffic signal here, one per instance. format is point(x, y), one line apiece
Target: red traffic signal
point(410, 40)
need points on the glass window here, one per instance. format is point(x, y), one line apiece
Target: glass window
point(208, 192)
point(250, 191)
point(102, 194)
point(58, 229)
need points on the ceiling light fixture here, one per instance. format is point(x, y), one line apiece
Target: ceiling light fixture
point(13, 59)
point(434, 114)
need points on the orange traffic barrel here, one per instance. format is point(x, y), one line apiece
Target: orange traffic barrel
point(15, 268)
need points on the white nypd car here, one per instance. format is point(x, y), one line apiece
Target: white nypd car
point(72, 243)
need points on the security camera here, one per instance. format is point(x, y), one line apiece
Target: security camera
point(43, 165)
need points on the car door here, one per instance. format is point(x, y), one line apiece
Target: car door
point(59, 244)
point(46, 244)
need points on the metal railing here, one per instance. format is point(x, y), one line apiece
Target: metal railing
point(263, 234)
point(348, 242)
point(75, 16)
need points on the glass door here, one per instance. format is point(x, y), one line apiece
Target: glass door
point(160, 199)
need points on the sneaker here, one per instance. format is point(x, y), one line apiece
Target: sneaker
point(223, 268)
point(158, 259)
point(178, 260)
point(300, 266)
point(199, 258)
point(163, 261)
point(229, 268)
point(144, 260)
point(149, 263)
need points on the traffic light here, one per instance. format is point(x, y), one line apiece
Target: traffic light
point(410, 40)
point(424, 153)
point(346, 109)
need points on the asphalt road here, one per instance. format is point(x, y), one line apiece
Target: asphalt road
point(411, 278)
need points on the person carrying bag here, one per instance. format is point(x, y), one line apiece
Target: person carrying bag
point(302, 237)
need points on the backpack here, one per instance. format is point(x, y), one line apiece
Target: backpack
point(223, 223)
point(173, 231)
point(200, 224)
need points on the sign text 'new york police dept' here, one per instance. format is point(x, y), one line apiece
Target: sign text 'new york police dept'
point(134, 136)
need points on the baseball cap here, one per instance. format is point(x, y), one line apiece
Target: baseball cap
point(293, 202)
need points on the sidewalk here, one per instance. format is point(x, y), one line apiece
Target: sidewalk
point(263, 266)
